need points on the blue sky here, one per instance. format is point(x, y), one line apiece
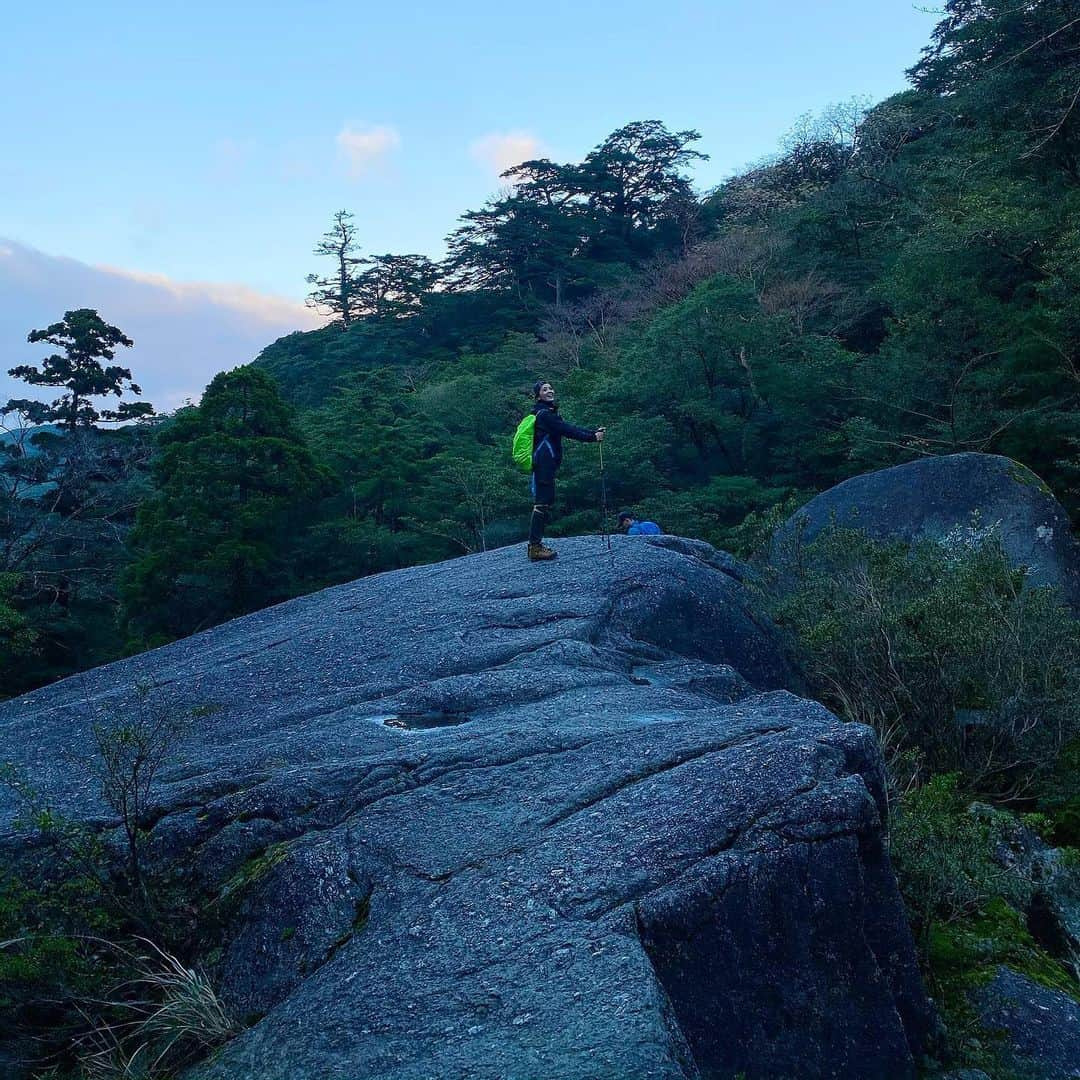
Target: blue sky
point(211, 142)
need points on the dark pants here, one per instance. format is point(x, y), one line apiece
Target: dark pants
point(543, 493)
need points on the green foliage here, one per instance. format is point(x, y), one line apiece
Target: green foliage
point(80, 977)
point(1060, 798)
point(898, 280)
point(964, 955)
point(85, 340)
point(1015, 66)
point(310, 367)
point(565, 229)
point(753, 533)
point(90, 1005)
point(391, 286)
point(336, 293)
point(472, 498)
point(16, 636)
point(970, 951)
point(59, 913)
point(942, 649)
point(944, 854)
point(377, 444)
point(234, 478)
point(66, 503)
point(252, 872)
point(1065, 821)
point(130, 749)
point(965, 902)
point(51, 954)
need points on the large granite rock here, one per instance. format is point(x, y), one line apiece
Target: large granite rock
point(954, 498)
point(493, 819)
point(1041, 1026)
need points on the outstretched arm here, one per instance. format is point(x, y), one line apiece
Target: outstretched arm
point(554, 424)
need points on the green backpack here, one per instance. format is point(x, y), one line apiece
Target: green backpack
point(522, 448)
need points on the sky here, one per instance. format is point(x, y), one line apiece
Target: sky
point(181, 161)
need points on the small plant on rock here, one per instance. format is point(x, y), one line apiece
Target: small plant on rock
point(164, 1016)
point(131, 746)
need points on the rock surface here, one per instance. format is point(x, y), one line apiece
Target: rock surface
point(1042, 1025)
point(492, 819)
point(937, 497)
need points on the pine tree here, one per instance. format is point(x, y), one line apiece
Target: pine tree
point(337, 293)
point(234, 480)
point(86, 339)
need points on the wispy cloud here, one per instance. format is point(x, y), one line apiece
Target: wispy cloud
point(262, 307)
point(365, 148)
point(501, 150)
point(185, 332)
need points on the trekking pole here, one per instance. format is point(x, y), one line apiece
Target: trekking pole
point(603, 501)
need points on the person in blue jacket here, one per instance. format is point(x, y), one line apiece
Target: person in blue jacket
point(548, 435)
point(633, 526)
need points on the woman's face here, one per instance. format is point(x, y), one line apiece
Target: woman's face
point(547, 393)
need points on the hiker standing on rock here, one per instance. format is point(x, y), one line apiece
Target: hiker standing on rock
point(548, 430)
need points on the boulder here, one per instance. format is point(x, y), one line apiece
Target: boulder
point(1041, 1026)
point(953, 499)
point(495, 819)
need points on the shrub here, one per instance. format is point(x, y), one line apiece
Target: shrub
point(51, 956)
point(943, 649)
point(1060, 798)
point(80, 975)
point(944, 855)
point(965, 899)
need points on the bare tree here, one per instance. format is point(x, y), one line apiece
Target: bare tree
point(131, 748)
point(800, 298)
point(337, 293)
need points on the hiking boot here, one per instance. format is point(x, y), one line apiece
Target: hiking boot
point(539, 553)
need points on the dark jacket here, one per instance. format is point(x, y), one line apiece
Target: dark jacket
point(548, 436)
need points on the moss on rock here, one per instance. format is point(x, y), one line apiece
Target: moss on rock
point(252, 872)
